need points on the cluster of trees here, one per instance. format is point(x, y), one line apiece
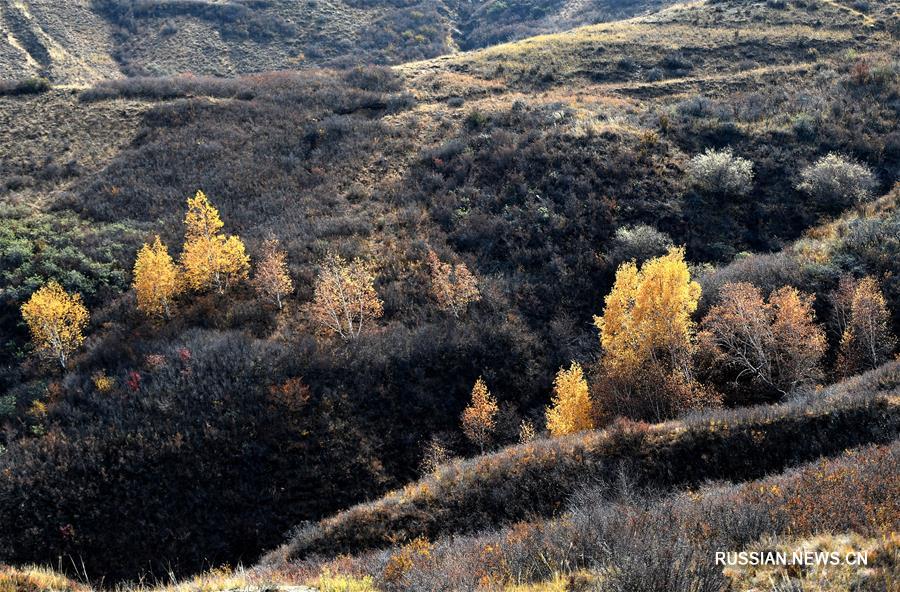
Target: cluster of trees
point(209, 260)
point(550, 245)
point(657, 362)
point(345, 301)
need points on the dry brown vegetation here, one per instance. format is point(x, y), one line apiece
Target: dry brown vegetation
point(539, 477)
point(539, 166)
point(88, 40)
point(612, 537)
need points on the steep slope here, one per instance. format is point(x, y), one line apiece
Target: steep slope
point(538, 478)
point(67, 41)
point(90, 40)
point(55, 139)
point(614, 537)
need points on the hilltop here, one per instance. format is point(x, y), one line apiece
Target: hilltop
point(89, 40)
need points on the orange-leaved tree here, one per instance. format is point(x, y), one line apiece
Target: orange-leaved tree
point(866, 338)
point(156, 279)
point(56, 320)
point(479, 418)
point(210, 259)
point(572, 410)
point(271, 279)
point(646, 334)
point(345, 301)
point(771, 347)
point(452, 285)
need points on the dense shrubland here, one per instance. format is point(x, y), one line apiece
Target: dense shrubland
point(212, 408)
point(538, 477)
point(614, 537)
point(285, 34)
point(475, 245)
point(83, 257)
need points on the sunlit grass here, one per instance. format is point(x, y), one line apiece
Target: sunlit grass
point(36, 579)
point(329, 582)
point(881, 572)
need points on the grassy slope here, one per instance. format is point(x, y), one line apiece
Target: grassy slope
point(612, 537)
point(616, 539)
point(83, 40)
point(537, 478)
point(53, 131)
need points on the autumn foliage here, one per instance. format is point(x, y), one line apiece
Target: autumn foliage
point(648, 314)
point(646, 334)
point(156, 279)
point(211, 259)
point(452, 285)
point(56, 320)
point(345, 301)
point(866, 338)
point(772, 347)
point(479, 418)
point(572, 410)
point(271, 279)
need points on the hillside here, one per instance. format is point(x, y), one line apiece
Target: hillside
point(89, 40)
point(581, 514)
point(541, 167)
point(538, 478)
point(614, 537)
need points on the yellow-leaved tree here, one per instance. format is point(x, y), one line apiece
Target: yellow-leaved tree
point(646, 334)
point(56, 320)
point(866, 338)
point(648, 314)
point(271, 279)
point(479, 418)
point(572, 410)
point(156, 279)
point(452, 285)
point(209, 258)
point(345, 301)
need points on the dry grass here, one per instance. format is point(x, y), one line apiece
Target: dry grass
point(613, 538)
point(537, 478)
point(56, 129)
point(881, 571)
point(714, 35)
point(36, 579)
point(820, 242)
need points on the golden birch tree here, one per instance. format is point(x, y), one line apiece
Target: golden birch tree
point(479, 418)
point(345, 302)
point(56, 321)
point(646, 334)
point(866, 339)
point(156, 279)
point(210, 259)
point(647, 316)
point(572, 409)
point(271, 279)
point(452, 285)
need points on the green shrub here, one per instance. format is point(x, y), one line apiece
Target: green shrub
point(28, 86)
